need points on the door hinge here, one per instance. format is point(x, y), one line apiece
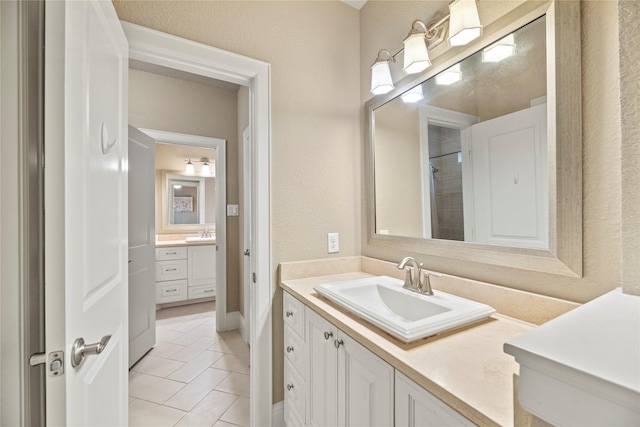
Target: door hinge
point(54, 362)
point(254, 278)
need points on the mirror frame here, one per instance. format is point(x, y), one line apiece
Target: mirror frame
point(167, 176)
point(564, 114)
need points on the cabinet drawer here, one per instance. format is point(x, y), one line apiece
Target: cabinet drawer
point(166, 254)
point(294, 350)
point(174, 290)
point(171, 270)
point(202, 292)
point(293, 392)
point(293, 314)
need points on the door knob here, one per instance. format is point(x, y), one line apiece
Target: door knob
point(328, 335)
point(338, 343)
point(79, 349)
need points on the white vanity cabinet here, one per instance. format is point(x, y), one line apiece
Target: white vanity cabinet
point(343, 383)
point(416, 407)
point(202, 271)
point(185, 272)
point(171, 274)
point(295, 361)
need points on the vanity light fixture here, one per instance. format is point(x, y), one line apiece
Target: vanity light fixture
point(464, 26)
point(190, 169)
point(500, 50)
point(449, 76)
point(381, 81)
point(413, 95)
point(416, 55)
point(177, 186)
point(205, 168)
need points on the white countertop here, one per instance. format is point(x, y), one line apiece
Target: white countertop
point(600, 339)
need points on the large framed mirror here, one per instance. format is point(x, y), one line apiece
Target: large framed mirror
point(479, 158)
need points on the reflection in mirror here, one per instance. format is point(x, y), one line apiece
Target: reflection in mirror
point(189, 199)
point(463, 156)
point(186, 200)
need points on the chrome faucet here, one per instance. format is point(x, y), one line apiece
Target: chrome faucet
point(415, 280)
point(206, 233)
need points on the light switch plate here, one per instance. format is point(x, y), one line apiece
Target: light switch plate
point(333, 243)
point(232, 210)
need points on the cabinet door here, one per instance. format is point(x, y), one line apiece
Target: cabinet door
point(202, 265)
point(417, 407)
point(365, 386)
point(321, 384)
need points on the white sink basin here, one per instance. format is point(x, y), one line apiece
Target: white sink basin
point(200, 239)
point(407, 315)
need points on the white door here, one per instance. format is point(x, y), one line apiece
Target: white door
point(365, 386)
point(322, 372)
point(246, 221)
point(86, 249)
point(142, 230)
point(510, 180)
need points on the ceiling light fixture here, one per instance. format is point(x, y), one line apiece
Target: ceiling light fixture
point(500, 50)
point(464, 26)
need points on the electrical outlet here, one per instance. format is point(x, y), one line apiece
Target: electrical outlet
point(333, 243)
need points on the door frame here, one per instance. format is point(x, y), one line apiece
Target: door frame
point(166, 50)
point(219, 145)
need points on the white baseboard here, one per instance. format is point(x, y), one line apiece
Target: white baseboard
point(277, 416)
point(234, 320)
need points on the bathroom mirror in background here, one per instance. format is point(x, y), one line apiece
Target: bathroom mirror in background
point(191, 199)
point(480, 157)
point(470, 147)
point(185, 200)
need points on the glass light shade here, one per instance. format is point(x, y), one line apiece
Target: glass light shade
point(449, 76)
point(500, 50)
point(464, 22)
point(413, 95)
point(205, 169)
point(190, 168)
point(177, 187)
point(416, 55)
point(381, 81)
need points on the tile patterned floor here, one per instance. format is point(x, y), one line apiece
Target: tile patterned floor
point(193, 376)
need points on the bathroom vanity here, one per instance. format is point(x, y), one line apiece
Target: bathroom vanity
point(332, 358)
point(185, 271)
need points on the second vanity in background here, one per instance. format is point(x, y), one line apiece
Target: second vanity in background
point(185, 271)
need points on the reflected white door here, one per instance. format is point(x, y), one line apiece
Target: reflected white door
point(86, 210)
point(511, 179)
point(142, 230)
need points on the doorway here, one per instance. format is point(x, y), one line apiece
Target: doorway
point(161, 49)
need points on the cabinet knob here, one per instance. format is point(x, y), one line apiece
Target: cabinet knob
point(289, 349)
point(338, 343)
point(328, 335)
point(289, 313)
point(289, 387)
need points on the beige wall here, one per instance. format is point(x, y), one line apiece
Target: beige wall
point(385, 24)
point(629, 16)
point(168, 104)
point(313, 49)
